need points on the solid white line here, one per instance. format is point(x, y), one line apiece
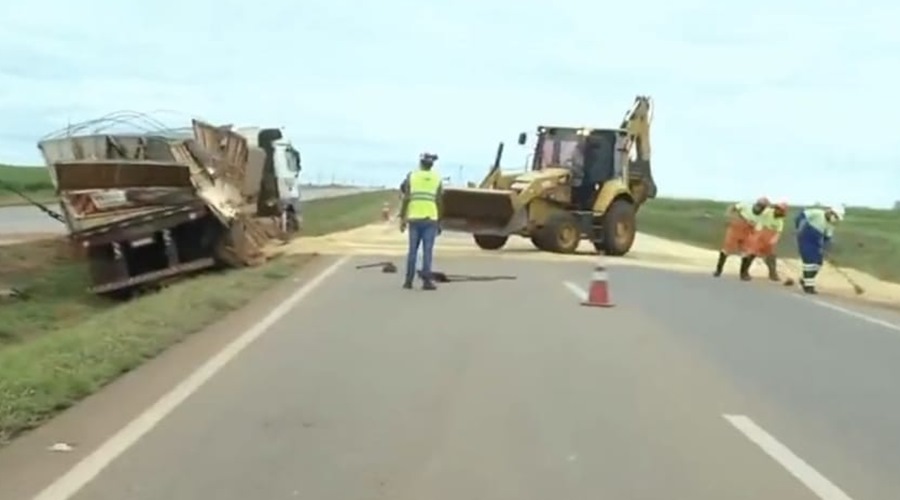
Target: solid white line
point(817, 483)
point(851, 312)
point(89, 467)
point(579, 292)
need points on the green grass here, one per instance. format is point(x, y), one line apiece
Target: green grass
point(868, 239)
point(33, 181)
point(63, 344)
point(340, 213)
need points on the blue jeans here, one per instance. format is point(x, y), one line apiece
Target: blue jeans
point(422, 232)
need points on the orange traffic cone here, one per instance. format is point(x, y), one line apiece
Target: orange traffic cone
point(598, 293)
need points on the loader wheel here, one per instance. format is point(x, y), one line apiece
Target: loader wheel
point(539, 243)
point(560, 234)
point(490, 241)
point(618, 228)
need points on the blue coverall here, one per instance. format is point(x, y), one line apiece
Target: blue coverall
point(814, 235)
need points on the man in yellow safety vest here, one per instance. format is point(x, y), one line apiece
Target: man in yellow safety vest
point(421, 213)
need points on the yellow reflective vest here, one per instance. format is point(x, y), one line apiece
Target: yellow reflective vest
point(423, 192)
point(744, 210)
point(767, 220)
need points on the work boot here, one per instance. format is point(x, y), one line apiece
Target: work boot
point(720, 265)
point(810, 290)
point(407, 285)
point(745, 268)
point(428, 285)
point(773, 270)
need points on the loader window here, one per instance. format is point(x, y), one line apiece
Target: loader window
point(559, 148)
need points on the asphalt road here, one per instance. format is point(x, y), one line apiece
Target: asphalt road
point(690, 388)
point(30, 220)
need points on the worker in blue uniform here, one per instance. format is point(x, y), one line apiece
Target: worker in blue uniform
point(815, 232)
point(420, 211)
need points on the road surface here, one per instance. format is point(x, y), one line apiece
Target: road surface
point(690, 388)
point(27, 219)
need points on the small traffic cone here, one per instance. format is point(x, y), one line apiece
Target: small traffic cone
point(598, 293)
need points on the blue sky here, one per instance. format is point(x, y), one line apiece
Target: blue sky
point(796, 100)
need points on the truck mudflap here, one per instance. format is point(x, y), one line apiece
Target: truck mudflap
point(477, 210)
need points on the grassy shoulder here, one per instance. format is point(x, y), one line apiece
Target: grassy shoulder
point(34, 182)
point(340, 213)
point(62, 344)
point(868, 240)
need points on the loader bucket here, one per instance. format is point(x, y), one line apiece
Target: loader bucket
point(476, 209)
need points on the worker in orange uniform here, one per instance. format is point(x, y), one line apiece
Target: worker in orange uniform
point(765, 238)
point(743, 217)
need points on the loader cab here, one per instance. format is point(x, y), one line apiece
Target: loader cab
point(589, 153)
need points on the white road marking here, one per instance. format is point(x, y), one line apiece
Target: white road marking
point(89, 467)
point(579, 292)
point(811, 478)
point(851, 312)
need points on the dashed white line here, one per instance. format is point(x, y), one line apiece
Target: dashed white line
point(805, 473)
point(89, 467)
point(579, 292)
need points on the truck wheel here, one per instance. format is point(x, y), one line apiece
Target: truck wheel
point(490, 241)
point(561, 233)
point(619, 228)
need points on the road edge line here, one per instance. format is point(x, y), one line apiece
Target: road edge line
point(70, 483)
point(796, 466)
point(850, 312)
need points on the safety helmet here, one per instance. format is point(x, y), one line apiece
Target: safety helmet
point(838, 210)
point(781, 209)
point(427, 158)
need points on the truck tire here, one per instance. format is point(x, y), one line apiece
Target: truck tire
point(619, 228)
point(561, 233)
point(490, 241)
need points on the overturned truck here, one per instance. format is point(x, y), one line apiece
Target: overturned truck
point(145, 208)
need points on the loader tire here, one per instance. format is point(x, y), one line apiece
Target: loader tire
point(490, 241)
point(619, 228)
point(539, 243)
point(561, 234)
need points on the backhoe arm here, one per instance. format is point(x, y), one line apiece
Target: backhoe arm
point(637, 123)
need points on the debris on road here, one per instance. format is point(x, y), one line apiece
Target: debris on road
point(442, 277)
point(857, 289)
point(386, 267)
point(61, 447)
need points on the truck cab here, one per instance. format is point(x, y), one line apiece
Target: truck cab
point(273, 168)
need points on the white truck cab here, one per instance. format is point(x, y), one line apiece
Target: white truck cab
point(269, 149)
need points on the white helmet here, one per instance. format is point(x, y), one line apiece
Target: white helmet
point(838, 210)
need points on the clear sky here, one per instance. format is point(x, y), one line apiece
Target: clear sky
point(797, 100)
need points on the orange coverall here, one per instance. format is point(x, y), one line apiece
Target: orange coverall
point(740, 230)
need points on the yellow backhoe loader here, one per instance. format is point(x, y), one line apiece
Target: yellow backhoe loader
point(584, 183)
